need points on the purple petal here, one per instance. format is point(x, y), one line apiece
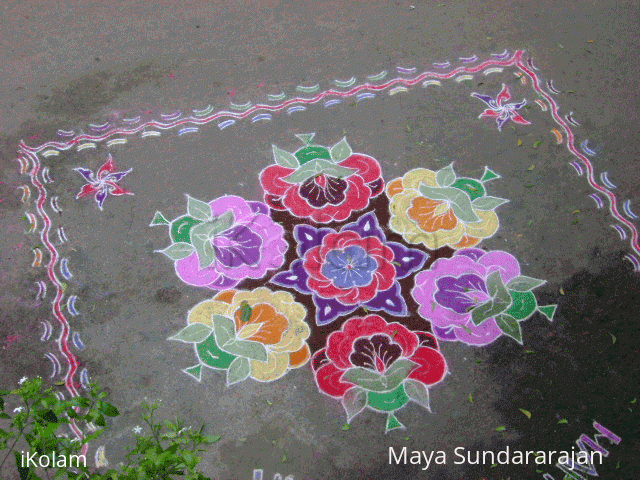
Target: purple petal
point(309, 237)
point(410, 260)
point(295, 277)
point(455, 293)
point(238, 246)
point(501, 121)
point(259, 207)
point(116, 176)
point(87, 174)
point(222, 282)
point(390, 301)
point(101, 197)
point(328, 309)
point(485, 98)
point(448, 333)
point(517, 106)
point(366, 226)
point(473, 253)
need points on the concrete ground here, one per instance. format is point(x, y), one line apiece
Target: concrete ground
point(75, 64)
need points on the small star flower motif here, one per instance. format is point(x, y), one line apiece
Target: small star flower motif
point(103, 182)
point(137, 429)
point(22, 380)
point(502, 111)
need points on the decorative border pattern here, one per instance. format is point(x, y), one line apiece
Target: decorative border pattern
point(30, 163)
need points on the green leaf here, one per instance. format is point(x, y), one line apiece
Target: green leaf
point(340, 151)
point(526, 412)
point(214, 227)
point(378, 382)
point(458, 200)
point(510, 327)
point(158, 219)
point(489, 175)
point(198, 209)
point(418, 392)
point(563, 420)
point(500, 429)
point(245, 311)
point(178, 250)
point(100, 421)
point(192, 333)
point(239, 370)
point(345, 427)
point(204, 249)
point(305, 138)
point(212, 438)
point(524, 283)
point(195, 372)
point(317, 167)
point(487, 203)
point(284, 158)
point(446, 176)
point(354, 401)
point(110, 410)
point(338, 171)
point(548, 311)
point(246, 348)
point(224, 329)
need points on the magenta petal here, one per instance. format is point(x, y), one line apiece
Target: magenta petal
point(107, 167)
point(518, 119)
point(504, 95)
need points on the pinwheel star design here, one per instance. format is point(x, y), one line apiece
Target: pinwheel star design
point(502, 111)
point(102, 183)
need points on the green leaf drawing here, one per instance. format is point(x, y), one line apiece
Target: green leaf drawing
point(392, 423)
point(488, 203)
point(306, 138)
point(523, 306)
point(318, 167)
point(548, 311)
point(446, 176)
point(284, 158)
point(158, 219)
point(178, 250)
point(524, 283)
point(510, 327)
point(458, 200)
point(489, 175)
point(501, 300)
point(377, 382)
point(418, 392)
point(224, 329)
point(192, 333)
point(340, 151)
point(354, 401)
point(526, 412)
point(195, 371)
point(205, 250)
point(198, 209)
point(246, 348)
point(239, 370)
point(245, 311)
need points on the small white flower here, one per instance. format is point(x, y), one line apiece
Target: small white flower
point(137, 429)
point(22, 380)
point(18, 409)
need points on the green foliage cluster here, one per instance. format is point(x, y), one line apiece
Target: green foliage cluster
point(168, 451)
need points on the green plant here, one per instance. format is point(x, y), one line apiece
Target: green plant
point(170, 451)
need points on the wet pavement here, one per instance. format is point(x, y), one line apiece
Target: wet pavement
point(154, 87)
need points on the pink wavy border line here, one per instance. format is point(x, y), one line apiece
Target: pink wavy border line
point(63, 339)
point(613, 207)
